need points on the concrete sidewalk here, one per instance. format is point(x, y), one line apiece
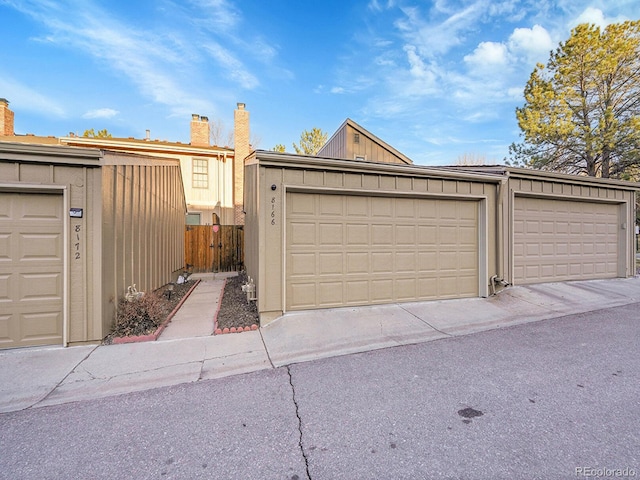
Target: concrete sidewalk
point(187, 352)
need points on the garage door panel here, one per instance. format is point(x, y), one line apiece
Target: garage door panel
point(356, 206)
point(41, 326)
point(11, 331)
point(381, 207)
point(357, 292)
point(303, 263)
point(405, 262)
point(304, 294)
point(427, 234)
point(5, 246)
point(427, 288)
point(34, 247)
point(448, 236)
point(39, 211)
point(330, 293)
point(31, 269)
point(304, 206)
point(393, 249)
point(381, 262)
point(40, 286)
point(405, 208)
point(381, 235)
point(468, 211)
point(330, 234)
point(303, 234)
point(381, 290)
point(405, 289)
point(6, 294)
point(427, 262)
point(357, 234)
point(564, 240)
point(406, 235)
point(426, 211)
point(357, 262)
point(330, 263)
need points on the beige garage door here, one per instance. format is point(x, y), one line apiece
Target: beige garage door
point(359, 250)
point(31, 250)
point(558, 240)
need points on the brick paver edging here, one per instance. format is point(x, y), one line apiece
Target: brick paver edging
point(221, 331)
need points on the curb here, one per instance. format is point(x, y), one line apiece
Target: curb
point(224, 331)
point(152, 337)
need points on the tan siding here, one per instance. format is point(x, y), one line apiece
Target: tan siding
point(565, 192)
point(78, 187)
point(336, 146)
point(252, 224)
point(267, 240)
point(145, 225)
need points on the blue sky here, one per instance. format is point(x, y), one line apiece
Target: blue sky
point(435, 79)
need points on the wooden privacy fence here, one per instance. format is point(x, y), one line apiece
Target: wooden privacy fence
point(207, 250)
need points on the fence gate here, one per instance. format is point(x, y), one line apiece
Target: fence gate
point(217, 248)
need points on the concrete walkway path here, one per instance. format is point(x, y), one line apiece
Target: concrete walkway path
point(187, 352)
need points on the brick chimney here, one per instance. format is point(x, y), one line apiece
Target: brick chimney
point(6, 118)
point(242, 150)
point(200, 131)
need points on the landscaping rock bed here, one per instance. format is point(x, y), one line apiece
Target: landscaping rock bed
point(141, 319)
point(235, 311)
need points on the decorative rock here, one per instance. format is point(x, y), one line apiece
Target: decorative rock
point(225, 330)
point(254, 327)
point(217, 331)
point(233, 330)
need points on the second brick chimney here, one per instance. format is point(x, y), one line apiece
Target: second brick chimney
point(200, 131)
point(242, 150)
point(6, 118)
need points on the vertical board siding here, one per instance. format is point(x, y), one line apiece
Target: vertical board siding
point(143, 243)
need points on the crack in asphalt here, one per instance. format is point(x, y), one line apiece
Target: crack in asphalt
point(295, 402)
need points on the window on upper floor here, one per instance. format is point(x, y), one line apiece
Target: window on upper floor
point(193, 218)
point(200, 175)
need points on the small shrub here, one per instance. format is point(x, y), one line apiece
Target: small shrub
point(141, 316)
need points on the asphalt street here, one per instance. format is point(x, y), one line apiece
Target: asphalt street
point(552, 399)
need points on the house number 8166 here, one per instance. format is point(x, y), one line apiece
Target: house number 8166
point(273, 210)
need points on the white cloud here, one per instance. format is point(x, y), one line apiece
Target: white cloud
point(488, 56)
point(101, 113)
point(232, 66)
point(423, 77)
point(597, 17)
point(217, 14)
point(379, 6)
point(531, 45)
point(515, 93)
point(28, 98)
